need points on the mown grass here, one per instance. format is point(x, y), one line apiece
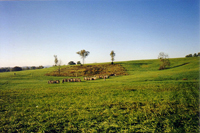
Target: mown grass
point(146, 100)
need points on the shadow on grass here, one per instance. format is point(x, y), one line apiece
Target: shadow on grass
point(178, 65)
point(129, 89)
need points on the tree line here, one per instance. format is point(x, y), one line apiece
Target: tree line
point(17, 68)
point(194, 55)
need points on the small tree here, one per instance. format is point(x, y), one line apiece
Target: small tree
point(189, 55)
point(40, 67)
point(83, 54)
point(164, 60)
point(195, 55)
point(78, 62)
point(112, 54)
point(55, 60)
point(33, 67)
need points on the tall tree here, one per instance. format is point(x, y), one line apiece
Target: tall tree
point(112, 54)
point(83, 54)
point(164, 60)
point(55, 60)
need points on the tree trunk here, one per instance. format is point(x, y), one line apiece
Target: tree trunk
point(59, 70)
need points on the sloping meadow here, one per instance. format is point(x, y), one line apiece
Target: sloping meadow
point(145, 100)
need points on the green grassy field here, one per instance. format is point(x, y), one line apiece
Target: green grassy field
point(146, 100)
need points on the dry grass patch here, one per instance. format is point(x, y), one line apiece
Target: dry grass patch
point(89, 70)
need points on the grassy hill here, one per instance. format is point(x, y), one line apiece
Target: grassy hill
point(145, 100)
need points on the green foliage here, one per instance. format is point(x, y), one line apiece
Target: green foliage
point(189, 55)
point(83, 53)
point(164, 61)
point(55, 60)
point(8, 69)
point(195, 55)
point(78, 63)
point(5, 69)
point(145, 100)
point(40, 67)
point(16, 68)
point(71, 63)
point(33, 67)
point(112, 54)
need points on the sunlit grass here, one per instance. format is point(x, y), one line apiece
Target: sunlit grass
point(146, 100)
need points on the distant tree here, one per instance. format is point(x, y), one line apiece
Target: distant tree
point(195, 55)
point(71, 63)
point(8, 69)
point(1, 70)
point(83, 54)
point(5, 69)
point(33, 67)
point(164, 60)
point(198, 53)
point(112, 54)
point(189, 55)
point(16, 68)
point(78, 62)
point(40, 67)
point(55, 60)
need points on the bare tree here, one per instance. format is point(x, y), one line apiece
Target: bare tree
point(112, 54)
point(164, 58)
point(83, 54)
point(59, 65)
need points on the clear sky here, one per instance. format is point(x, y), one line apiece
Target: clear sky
point(31, 32)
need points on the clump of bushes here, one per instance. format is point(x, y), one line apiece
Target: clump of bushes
point(16, 68)
point(71, 63)
point(90, 70)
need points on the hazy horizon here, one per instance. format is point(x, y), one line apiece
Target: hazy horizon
point(33, 31)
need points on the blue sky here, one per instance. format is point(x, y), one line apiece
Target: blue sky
point(31, 32)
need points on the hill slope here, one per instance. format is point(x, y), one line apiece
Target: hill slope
point(146, 100)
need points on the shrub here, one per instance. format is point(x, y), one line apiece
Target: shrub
point(78, 62)
point(164, 61)
point(16, 68)
point(71, 63)
point(189, 55)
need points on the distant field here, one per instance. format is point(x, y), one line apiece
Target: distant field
point(145, 100)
